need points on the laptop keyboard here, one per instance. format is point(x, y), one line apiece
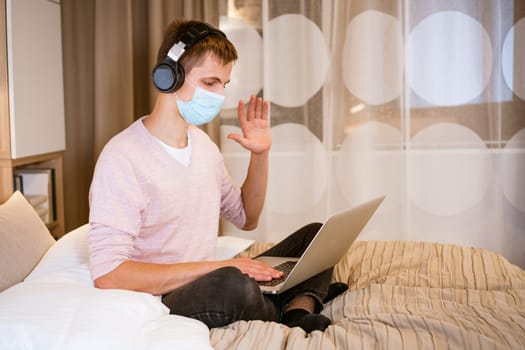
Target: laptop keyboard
point(285, 267)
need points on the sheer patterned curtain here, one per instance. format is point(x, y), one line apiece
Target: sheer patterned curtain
point(423, 101)
point(110, 48)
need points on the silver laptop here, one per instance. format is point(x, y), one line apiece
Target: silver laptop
point(327, 248)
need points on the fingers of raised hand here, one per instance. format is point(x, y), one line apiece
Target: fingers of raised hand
point(240, 110)
point(251, 107)
point(257, 108)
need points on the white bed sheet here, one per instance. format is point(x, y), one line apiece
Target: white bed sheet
point(57, 307)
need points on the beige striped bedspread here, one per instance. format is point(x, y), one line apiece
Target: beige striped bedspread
point(406, 295)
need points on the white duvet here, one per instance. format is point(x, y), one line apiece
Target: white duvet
point(57, 307)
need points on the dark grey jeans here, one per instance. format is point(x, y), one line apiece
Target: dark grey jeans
point(227, 295)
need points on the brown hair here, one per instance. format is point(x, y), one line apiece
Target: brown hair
point(218, 45)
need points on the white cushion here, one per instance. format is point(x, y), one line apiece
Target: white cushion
point(66, 261)
point(57, 307)
point(230, 246)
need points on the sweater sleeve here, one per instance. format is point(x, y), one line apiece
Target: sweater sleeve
point(108, 248)
point(116, 204)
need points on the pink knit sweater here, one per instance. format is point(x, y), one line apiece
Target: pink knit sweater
point(145, 206)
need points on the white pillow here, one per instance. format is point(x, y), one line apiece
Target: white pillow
point(57, 307)
point(66, 261)
point(41, 315)
point(230, 246)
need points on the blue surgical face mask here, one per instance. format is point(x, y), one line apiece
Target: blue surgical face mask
point(202, 108)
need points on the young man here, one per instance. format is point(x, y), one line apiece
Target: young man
point(160, 186)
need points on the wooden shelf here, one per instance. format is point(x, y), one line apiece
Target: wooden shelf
point(49, 160)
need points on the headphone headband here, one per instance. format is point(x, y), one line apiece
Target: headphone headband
point(198, 31)
point(169, 74)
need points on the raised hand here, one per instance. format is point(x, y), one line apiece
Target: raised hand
point(255, 127)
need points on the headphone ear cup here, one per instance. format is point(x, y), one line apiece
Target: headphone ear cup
point(180, 76)
point(168, 75)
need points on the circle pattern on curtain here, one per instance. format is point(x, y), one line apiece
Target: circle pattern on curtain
point(299, 60)
point(373, 57)
point(513, 170)
point(452, 67)
point(246, 76)
point(513, 52)
point(447, 180)
point(364, 170)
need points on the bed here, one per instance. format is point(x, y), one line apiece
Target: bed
point(402, 295)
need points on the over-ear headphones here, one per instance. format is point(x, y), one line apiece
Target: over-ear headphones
point(169, 74)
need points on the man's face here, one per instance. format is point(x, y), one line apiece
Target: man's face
point(211, 75)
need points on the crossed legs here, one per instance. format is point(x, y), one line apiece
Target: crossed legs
point(227, 295)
